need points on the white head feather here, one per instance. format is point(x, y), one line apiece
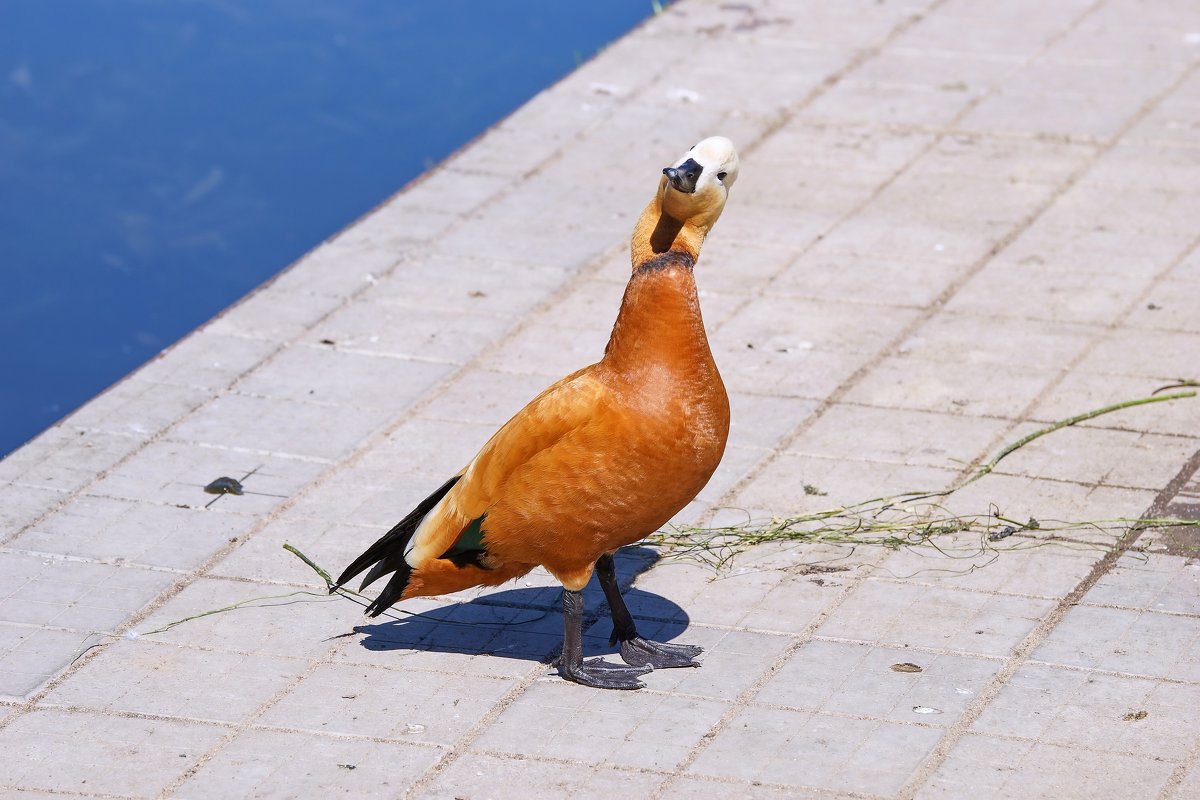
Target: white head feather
point(718, 157)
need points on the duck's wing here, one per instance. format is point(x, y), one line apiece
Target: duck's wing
point(449, 523)
point(453, 525)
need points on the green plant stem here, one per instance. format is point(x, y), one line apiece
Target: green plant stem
point(233, 607)
point(1064, 423)
point(329, 584)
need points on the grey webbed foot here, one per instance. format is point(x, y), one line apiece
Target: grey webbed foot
point(641, 652)
point(604, 674)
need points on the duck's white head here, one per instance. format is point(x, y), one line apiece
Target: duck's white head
point(696, 186)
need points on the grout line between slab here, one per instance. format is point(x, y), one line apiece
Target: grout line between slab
point(1074, 745)
point(549, 759)
point(999, 593)
point(1111, 673)
point(817, 712)
point(20, 791)
point(1190, 762)
point(714, 779)
point(1166, 612)
point(63, 557)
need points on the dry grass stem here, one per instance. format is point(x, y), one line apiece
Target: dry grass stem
point(916, 519)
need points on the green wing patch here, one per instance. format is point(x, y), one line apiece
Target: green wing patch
point(469, 548)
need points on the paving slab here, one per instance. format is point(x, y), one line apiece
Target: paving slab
point(249, 766)
point(498, 776)
point(988, 766)
point(957, 223)
point(56, 750)
point(161, 679)
point(801, 748)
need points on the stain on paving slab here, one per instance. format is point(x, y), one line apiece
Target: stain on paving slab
point(1183, 540)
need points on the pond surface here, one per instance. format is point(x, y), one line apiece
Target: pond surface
point(160, 158)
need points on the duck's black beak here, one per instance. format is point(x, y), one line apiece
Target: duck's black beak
point(683, 178)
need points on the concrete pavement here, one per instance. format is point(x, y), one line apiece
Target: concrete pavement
point(956, 222)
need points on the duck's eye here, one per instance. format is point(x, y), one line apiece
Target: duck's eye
point(721, 175)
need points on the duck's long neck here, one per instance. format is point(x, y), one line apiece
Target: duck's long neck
point(658, 233)
point(660, 320)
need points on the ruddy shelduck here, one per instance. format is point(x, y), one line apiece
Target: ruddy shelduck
point(599, 460)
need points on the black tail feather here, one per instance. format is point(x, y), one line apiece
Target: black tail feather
point(392, 591)
point(387, 554)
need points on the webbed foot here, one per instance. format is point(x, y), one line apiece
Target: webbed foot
point(603, 674)
point(641, 652)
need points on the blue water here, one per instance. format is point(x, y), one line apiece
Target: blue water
point(160, 158)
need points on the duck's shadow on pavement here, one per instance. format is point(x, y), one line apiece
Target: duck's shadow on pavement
point(526, 623)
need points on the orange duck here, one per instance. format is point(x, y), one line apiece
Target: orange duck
point(599, 460)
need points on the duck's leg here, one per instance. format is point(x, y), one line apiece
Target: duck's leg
point(593, 672)
point(634, 649)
